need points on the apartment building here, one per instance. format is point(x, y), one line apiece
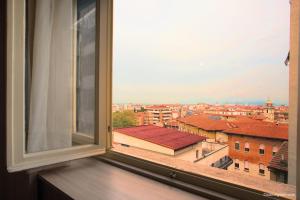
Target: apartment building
point(253, 147)
point(157, 115)
point(210, 126)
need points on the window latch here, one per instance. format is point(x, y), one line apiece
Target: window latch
point(172, 175)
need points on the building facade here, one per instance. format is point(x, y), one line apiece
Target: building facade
point(157, 115)
point(253, 148)
point(279, 165)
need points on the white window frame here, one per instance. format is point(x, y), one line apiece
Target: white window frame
point(261, 167)
point(262, 147)
point(246, 166)
point(237, 142)
point(247, 146)
point(274, 150)
point(17, 158)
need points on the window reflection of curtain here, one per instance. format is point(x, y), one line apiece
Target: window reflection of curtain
point(50, 117)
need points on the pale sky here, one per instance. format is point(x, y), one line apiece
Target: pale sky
point(214, 51)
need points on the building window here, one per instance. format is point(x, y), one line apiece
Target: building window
point(261, 169)
point(261, 149)
point(237, 164)
point(274, 150)
point(247, 147)
point(246, 166)
point(237, 145)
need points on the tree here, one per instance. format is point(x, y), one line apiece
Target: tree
point(124, 119)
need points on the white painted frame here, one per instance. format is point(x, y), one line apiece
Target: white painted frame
point(17, 158)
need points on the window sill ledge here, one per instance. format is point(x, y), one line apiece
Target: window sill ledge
point(91, 179)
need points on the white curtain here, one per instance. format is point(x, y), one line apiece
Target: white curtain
point(50, 118)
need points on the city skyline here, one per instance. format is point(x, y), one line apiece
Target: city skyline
point(245, 103)
point(166, 56)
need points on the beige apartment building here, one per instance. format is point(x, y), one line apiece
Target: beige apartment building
point(157, 115)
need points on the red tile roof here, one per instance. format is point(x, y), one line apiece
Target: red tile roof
point(242, 125)
point(169, 138)
point(280, 160)
point(261, 130)
point(205, 122)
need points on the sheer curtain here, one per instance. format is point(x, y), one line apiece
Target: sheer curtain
point(50, 117)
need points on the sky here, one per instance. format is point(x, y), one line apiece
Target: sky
point(192, 51)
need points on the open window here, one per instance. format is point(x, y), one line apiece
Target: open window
point(82, 33)
point(261, 169)
point(261, 149)
point(59, 66)
point(247, 147)
point(211, 77)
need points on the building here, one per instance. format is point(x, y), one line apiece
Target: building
point(279, 164)
point(210, 126)
point(162, 140)
point(253, 146)
point(269, 111)
point(157, 115)
point(140, 118)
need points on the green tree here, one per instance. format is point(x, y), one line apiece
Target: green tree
point(124, 119)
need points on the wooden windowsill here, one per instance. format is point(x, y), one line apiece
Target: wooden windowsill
point(91, 179)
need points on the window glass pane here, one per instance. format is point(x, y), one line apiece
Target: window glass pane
point(59, 71)
point(209, 75)
point(85, 87)
point(237, 145)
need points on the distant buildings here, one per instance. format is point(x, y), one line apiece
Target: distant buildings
point(252, 143)
point(253, 138)
point(157, 115)
point(269, 111)
point(209, 126)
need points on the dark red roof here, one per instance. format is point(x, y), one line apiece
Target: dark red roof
point(169, 138)
point(280, 160)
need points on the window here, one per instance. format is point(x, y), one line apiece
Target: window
point(261, 169)
point(237, 145)
point(85, 143)
point(236, 164)
point(141, 51)
point(274, 150)
point(246, 166)
point(66, 81)
point(261, 149)
point(247, 147)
